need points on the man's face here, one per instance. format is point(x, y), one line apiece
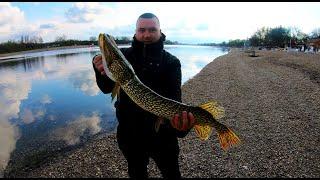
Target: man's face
point(148, 30)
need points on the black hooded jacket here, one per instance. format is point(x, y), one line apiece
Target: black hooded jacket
point(157, 69)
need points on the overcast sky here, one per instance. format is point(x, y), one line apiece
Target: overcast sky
point(181, 21)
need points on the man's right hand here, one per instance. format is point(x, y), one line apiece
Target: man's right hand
point(97, 61)
point(184, 122)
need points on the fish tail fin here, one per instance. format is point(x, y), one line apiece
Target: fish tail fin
point(227, 137)
point(115, 91)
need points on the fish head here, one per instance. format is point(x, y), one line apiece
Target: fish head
point(109, 50)
point(112, 58)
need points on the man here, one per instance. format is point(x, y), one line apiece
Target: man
point(140, 134)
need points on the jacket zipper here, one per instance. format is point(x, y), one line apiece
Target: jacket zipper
point(144, 51)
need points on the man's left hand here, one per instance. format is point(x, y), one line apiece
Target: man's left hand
point(183, 122)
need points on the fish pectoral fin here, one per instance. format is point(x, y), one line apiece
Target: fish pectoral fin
point(115, 91)
point(158, 123)
point(203, 131)
point(213, 108)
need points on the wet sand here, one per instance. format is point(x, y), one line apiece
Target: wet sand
point(271, 101)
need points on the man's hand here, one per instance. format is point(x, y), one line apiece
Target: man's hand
point(97, 61)
point(183, 122)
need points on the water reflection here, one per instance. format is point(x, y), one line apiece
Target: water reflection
point(52, 101)
point(33, 64)
point(36, 109)
point(27, 88)
point(72, 132)
point(12, 92)
point(46, 99)
point(85, 81)
point(194, 58)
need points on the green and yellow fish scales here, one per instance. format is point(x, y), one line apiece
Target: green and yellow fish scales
point(120, 70)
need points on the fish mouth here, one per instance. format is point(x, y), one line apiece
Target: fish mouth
point(106, 46)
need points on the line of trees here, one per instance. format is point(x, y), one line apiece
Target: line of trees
point(279, 37)
point(263, 37)
point(36, 42)
point(272, 37)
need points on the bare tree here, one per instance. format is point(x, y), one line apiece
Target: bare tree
point(61, 38)
point(40, 40)
point(93, 38)
point(315, 33)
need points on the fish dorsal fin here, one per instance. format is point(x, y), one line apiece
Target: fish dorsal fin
point(213, 108)
point(115, 91)
point(203, 131)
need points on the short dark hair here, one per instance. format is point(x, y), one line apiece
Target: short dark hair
point(148, 16)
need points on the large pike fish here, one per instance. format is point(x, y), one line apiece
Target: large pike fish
point(121, 72)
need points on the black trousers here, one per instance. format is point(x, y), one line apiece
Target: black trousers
point(138, 147)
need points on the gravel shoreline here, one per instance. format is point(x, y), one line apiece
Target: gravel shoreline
point(271, 101)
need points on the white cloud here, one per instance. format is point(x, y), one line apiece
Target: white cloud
point(13, 25)
point(10, 14)
point(47, 26)
point(73, 131)
point(197, 21)
point(85, 81)
point(85, 12)
point(37, 75)
point(192, 65)
point(12, 91)
point(40, 113)
point(11, 18)
point(9, 134)
point(15, 87)
point(27, 116)
point(46, 99)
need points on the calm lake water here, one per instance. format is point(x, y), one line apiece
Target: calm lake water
point(49, 101)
